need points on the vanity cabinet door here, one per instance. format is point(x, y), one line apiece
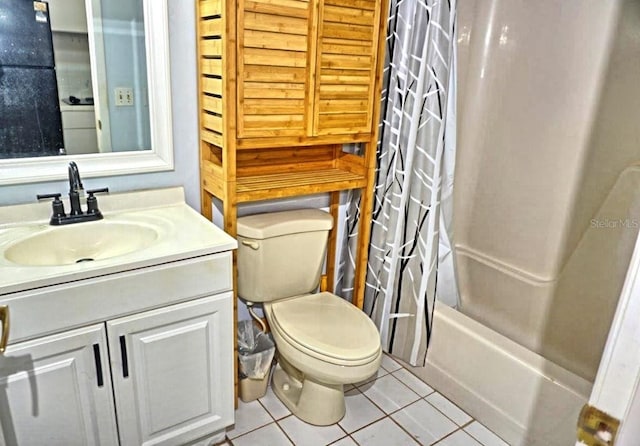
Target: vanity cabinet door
point(56, 390)
point(173, 372)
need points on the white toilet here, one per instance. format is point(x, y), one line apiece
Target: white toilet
point(323, 341)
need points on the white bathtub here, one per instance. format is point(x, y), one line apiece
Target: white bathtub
point(524, 398)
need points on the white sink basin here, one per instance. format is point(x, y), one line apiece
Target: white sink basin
point(81, 242)
point(140, 229)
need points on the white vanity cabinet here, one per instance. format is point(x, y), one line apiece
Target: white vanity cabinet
point(172, 383)
point(51, 388)
point(132, 349)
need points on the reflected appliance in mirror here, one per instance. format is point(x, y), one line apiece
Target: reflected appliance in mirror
point(30, 121)
point(111, 105)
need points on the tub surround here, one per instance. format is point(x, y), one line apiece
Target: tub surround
point(545, 207)
point(524, 235)
point(523, 397)
point(594, 274)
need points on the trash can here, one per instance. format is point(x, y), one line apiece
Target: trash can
point(255, 352)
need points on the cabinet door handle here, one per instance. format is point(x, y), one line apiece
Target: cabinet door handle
point(96, 356)
point(4, 318)
point(125, 360)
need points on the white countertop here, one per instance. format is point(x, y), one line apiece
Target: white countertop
point(183, 233)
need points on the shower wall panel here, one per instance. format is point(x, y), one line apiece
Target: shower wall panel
point(548, 105)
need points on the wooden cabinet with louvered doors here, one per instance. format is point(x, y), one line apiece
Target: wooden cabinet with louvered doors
point(284, 84)
point(305, 68)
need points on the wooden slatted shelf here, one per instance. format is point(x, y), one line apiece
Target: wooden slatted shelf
point(280, 185)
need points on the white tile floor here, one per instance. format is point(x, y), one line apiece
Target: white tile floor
point(392, 408)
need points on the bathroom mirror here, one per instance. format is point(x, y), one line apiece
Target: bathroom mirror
point(152, 149)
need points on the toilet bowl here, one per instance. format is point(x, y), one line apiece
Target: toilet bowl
point(323, 341)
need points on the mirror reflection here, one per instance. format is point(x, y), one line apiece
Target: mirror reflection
point(73, 78)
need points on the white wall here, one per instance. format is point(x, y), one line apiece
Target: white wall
point(185, 125)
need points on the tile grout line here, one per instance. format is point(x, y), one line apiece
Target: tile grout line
point(411, 390)
point(386, 415)
point(481, 424)
point(406, 431)
point(445, 415)
point(447, 436)
point(284, 431)
point(389, 415)
point(346, 434)
point(413, 402)
point(273, 420)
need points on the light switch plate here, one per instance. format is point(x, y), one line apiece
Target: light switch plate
point(124, 96)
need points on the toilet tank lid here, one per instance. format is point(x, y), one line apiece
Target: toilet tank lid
point(274, 224)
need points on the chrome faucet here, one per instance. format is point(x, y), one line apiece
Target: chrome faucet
point(75, 189)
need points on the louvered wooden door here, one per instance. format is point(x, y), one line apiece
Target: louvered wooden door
point(273, 63)
point(347, 37)
point(306, 68)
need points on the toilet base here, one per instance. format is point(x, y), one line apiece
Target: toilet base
point(311, 401)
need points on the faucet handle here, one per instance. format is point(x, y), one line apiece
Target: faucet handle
point(45, 196)
point(92, 202)
point(57, 205)
point(97, 191)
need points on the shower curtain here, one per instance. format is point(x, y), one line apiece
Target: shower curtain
point(415, 160)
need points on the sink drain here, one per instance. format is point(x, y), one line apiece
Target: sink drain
point(86, 259)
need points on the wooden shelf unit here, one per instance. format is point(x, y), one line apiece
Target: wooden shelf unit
point(263, 179)
point(283, 85)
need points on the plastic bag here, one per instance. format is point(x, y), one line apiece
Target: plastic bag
point(255, 350)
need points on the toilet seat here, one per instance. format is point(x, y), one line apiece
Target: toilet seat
point(327, 328)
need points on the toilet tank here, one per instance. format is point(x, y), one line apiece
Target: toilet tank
point(280, 254)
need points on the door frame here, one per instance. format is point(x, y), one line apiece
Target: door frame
point(97, 58)
point(616, 388)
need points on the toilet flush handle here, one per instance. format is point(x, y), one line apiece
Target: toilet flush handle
point(251, 244)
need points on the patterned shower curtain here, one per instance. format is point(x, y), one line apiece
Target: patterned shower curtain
point(414, 154)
